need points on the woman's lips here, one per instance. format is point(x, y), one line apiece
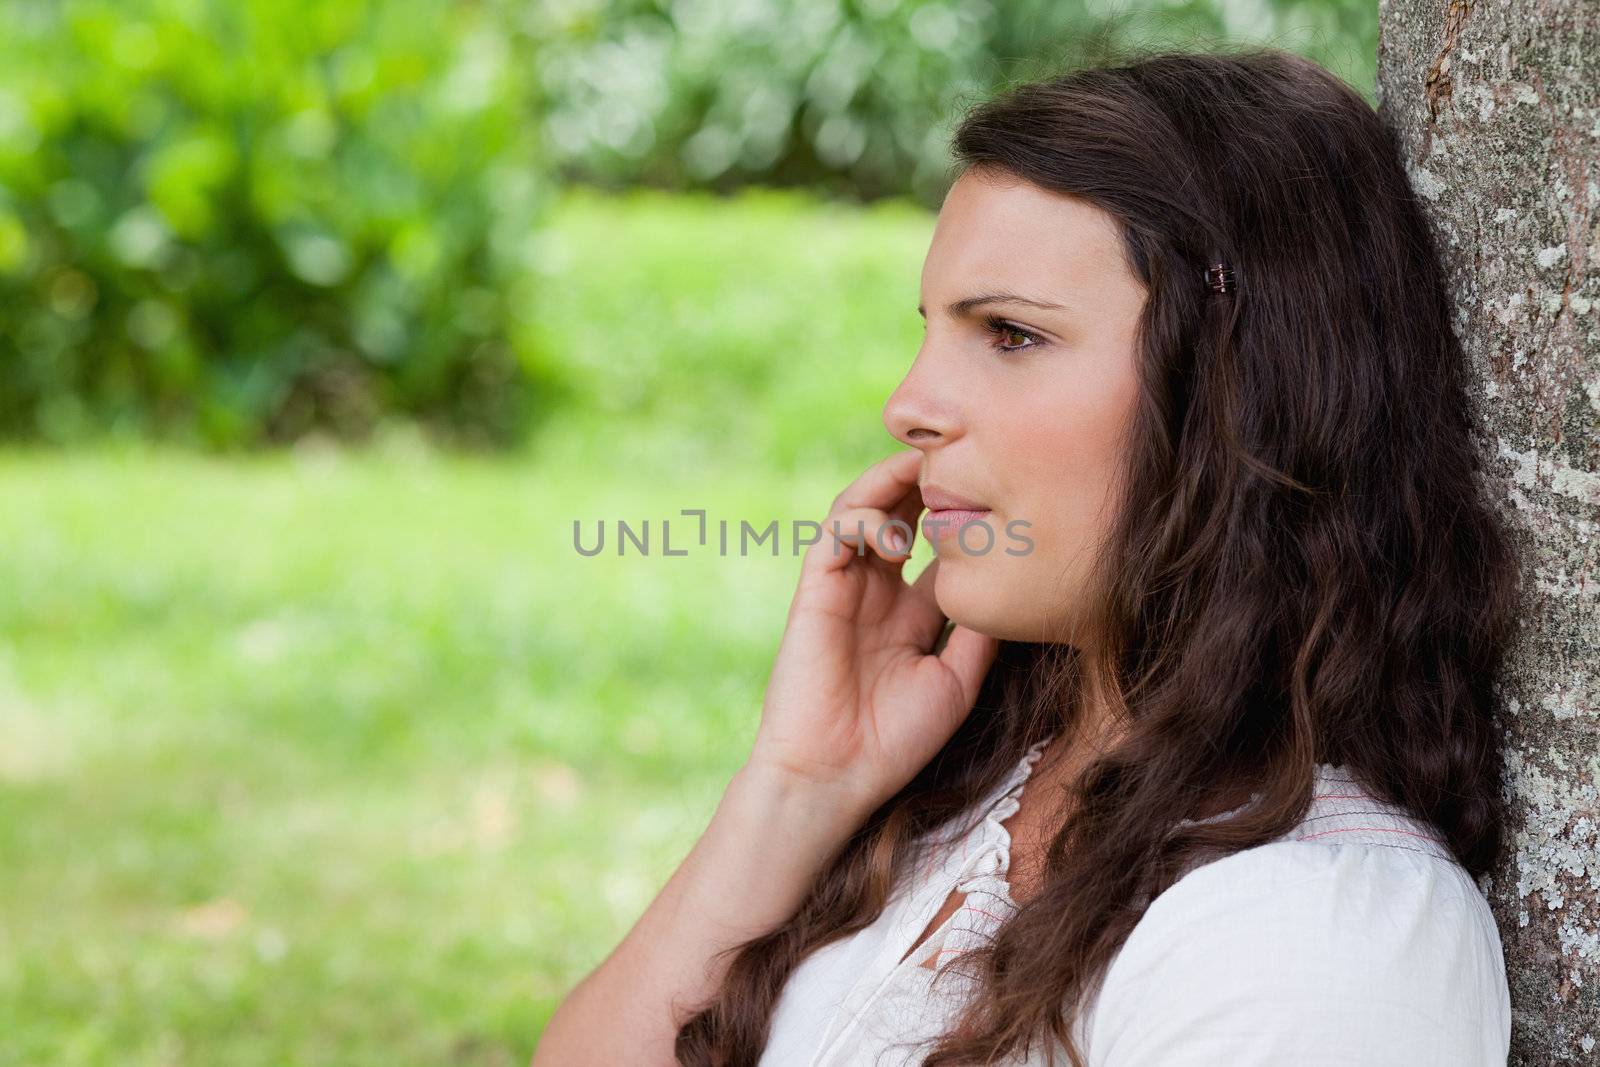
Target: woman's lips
point(946, 522)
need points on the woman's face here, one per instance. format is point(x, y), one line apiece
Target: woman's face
point(1037, 434)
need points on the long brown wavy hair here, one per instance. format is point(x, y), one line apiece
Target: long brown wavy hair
point(1304, 567)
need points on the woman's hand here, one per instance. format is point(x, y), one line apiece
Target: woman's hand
point(858, 701)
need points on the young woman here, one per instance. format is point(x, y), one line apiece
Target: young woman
point(1207, 764)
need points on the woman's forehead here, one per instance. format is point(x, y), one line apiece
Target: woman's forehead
point(1017, 237)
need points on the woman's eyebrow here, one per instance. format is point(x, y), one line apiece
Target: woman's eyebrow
point(967, 305)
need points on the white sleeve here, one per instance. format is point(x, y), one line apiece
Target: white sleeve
point(1309, 954)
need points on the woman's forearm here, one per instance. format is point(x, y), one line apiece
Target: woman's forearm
point(768, 839)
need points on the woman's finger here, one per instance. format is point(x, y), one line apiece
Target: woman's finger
point(922, 612)
point(856, 534)
point(969, 654)
point(908, 509)
point(882, 485)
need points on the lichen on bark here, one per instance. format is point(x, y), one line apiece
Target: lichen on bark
point(1497, 107)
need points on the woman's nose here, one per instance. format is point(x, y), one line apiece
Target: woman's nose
point(917, 414)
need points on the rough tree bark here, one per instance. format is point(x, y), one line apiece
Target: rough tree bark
point(1497, 105)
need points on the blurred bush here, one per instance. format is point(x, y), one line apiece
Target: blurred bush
point(856, 97)
point(238, 220)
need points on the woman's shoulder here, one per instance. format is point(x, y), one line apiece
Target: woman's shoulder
point(1354, 938)
point(1366, 892)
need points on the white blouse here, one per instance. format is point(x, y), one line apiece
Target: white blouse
point(1356, 938)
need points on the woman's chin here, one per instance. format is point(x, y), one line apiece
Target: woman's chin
point(970, 602)
point(981, 604)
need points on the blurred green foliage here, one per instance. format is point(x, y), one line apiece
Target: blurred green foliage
point(237, 221)
point(857, 97)
point(231, 220)
point(765, 324)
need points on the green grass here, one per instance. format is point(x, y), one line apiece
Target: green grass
point(330, 757)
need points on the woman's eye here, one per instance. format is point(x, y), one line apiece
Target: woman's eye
point(1003, 329)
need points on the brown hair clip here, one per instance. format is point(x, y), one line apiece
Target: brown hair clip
point(1219, 278)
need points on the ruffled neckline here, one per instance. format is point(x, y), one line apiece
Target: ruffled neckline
point(972, 857)
point(1009, 801)
point(978, 855)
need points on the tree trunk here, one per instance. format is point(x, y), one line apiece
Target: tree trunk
point(1497, 106)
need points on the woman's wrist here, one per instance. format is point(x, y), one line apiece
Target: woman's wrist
point(817, 817)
